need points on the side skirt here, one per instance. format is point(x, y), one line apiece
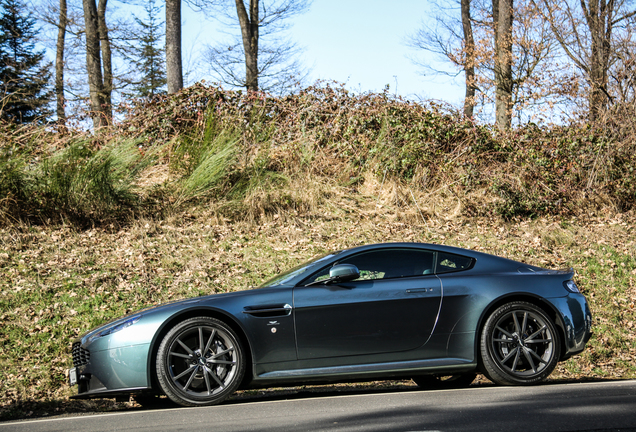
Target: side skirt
point(375, 370)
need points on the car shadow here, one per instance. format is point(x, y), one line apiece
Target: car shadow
point(376, 387)
point(21, 410)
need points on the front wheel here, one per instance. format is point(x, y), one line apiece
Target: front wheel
point(519, 345)
point(200, 362)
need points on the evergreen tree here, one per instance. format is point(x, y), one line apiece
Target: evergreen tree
point(24, 76)
point(148, 56)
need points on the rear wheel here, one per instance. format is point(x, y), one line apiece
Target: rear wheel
point(519, 345)
point(200, 362)
point(444, 381)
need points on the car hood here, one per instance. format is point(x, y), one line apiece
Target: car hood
point(163, 306)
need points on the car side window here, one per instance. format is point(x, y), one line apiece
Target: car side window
point(447, 263)
point(385, 264)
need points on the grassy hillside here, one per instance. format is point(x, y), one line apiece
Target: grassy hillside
point(243, 153)
point(213, 191)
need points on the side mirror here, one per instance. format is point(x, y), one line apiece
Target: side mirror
point(344, 273)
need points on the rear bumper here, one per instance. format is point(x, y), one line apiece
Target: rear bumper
point(576, 322)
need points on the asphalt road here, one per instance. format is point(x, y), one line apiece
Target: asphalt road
point(599, 406)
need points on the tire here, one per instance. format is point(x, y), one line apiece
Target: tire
point(432, 382)
point(200, 362)
point(519, 345)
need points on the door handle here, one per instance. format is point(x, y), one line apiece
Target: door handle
point(419, 290)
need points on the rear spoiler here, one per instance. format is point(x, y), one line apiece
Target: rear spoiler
point(538, 270)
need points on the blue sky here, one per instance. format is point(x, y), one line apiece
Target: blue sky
point(362, 43)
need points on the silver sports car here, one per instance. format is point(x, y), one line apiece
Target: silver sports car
point(436, 314)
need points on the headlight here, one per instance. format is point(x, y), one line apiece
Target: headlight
point(115, 328)
point(571, 286)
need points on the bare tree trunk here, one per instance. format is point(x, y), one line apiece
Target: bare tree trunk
point(104, 43)
point(469, 66)
point(249, 31)
point(502, 21)
point(174, 69)
point(93, 65)
point(597, 16)
point(59, 67)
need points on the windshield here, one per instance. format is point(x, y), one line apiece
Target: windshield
point(284, 278)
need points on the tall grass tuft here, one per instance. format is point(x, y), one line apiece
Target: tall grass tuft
point(13, 185)
point(82, 183)
point(215, 157)
point(92, 184)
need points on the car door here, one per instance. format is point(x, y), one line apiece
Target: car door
point(269, 324)
point(392, 307)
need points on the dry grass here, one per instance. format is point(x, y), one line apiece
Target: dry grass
point(60, 281)
point(316, 172)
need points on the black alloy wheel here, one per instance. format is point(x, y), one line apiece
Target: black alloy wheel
point(200, 362)
point(519, 345)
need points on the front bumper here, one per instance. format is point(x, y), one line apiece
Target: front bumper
point(111, 372)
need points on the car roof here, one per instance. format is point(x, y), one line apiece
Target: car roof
point(484, 261)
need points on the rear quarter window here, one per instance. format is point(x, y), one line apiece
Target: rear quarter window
point(448, 263)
